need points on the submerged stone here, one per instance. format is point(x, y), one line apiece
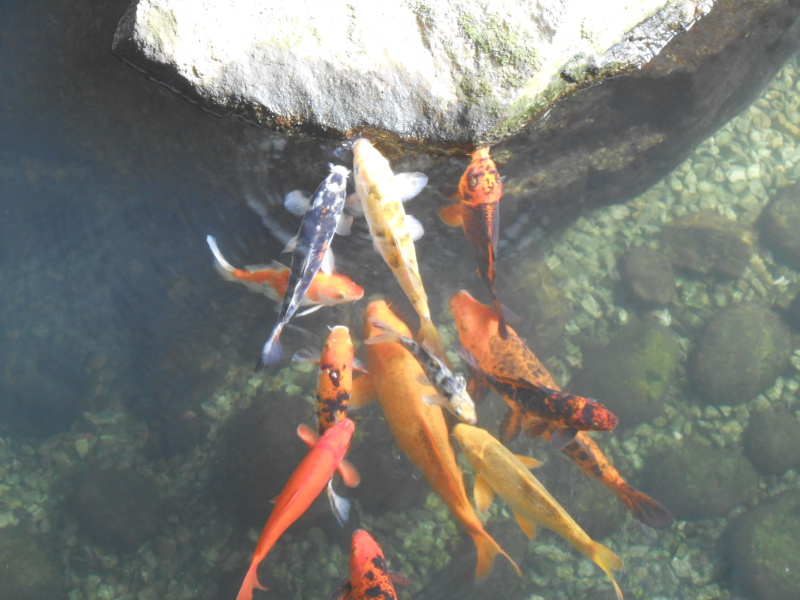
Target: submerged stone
point(772, 441)
point(647, 277)
point(29, 570)
point(741, 352)
point(632, 375)
point(695, 481)
point(780, 223)
point(709, 243)
point(763, 548)
point(119, 509)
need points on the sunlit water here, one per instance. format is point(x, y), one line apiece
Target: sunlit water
point(123, 350)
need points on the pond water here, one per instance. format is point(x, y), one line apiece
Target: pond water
point(139, 451)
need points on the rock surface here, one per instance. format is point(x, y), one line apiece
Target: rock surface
point(780, 223)
point(741, 352)
point(647, 277)
point(771, 441)
point(30, 571)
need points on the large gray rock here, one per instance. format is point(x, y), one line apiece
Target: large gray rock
point(448, 72)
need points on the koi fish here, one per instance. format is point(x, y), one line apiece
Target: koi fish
point(370, 579)
point(499, 471)
point(536, 409)
point(451, 390)
point(304, 485)
point(309, 249)
point(478, 212)
point(419, 428)
point(478, 332)
point(393, 232)
point(334, 382)
point(326, 289)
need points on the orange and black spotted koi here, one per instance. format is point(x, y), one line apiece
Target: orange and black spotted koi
point(310, 247)
point(370, 579)
point(536, 409)
point(478, 332)
point(478, 212)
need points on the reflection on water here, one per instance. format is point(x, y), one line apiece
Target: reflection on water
point(138, 448)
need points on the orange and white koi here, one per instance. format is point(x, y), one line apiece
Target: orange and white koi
point(370, 579)
point(478, 212)
point(310, 246)
point(478, 332)
point(451, 389)
point(396, 378)
point(326, 289)
point(304, 485)
point(381, 193)
point(334, 383)
point(499, 471)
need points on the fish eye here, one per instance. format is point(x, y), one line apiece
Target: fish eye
point(458, 412)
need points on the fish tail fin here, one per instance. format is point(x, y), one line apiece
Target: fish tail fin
point(487, 549)
point(387, 333)
point(272, 352)
point(606, 560)
point(429, 337)
point(250, 583)
point(643, 507)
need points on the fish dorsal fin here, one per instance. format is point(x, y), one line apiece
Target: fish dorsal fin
point(451, 215)
point(362, 392)
point(339, 506)
point(409, 185)
point(484, 494)
point(528, 527)
point(349, 474)
point(528, 462)
point(296, 202)
point(415, 228)
point(328, 262)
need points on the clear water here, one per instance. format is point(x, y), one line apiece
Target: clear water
point(123, 350)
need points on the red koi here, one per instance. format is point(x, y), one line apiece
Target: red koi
point(478, 212)
point(478, 331)
point(304, 485)
point(370, 579)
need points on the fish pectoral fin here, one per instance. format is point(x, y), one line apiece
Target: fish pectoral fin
point(359, 365)
point(399, 580)
point(562, 436)
point(344, 225)
point(340, 506)
point(529, 462)
point(409, 185)
point(305, 356)
point(528, 527)
point(341, 592)
point(537, 428)
point(451, 215)
point(362, 392)
point(328, 262)
point(484, 494)
point(308, 311)
point(296, 202)
point(415, 228)
point(511, 425)
point(290, 245)
point(433, 399)
point(349, 474)
point(353, 205)
point(308, 435)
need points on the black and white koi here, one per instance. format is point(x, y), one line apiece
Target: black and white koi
point(309, 249)
point(451, 389)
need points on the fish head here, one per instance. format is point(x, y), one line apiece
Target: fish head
point(363, 549)
point(481, 182)
point(475, 322)
point(380, 311)
point(464, 407)
point(469, 439)
point(339, 436)
point(480, 154)
point(337, 289)
point(338, 348)
point(370, 168)
point(597, 417)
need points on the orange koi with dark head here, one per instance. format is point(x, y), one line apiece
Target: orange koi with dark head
point(478, 327)
point(478, 212)
point(304, 485)
point(370, 579)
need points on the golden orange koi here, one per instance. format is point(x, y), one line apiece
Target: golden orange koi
point(480, 189)
point(396, 378)
point(381, 193)
point(498, 470)
point(478, 332)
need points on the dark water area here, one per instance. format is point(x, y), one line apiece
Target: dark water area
point(139, 451)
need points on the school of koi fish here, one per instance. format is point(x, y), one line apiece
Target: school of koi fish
point(411, 378)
